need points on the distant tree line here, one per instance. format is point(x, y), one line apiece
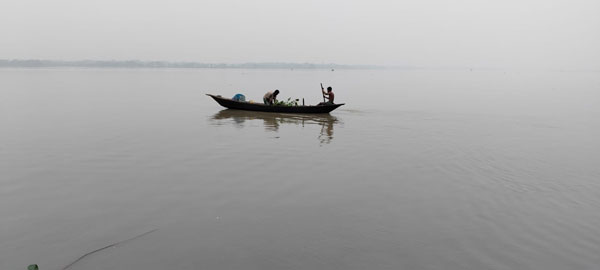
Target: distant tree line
point(164, 64)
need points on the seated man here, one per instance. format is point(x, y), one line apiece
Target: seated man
point(329, 95)
point(270, 97)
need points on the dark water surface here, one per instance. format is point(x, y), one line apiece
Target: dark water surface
point(419, 170)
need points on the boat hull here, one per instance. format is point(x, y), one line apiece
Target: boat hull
point(247, 106)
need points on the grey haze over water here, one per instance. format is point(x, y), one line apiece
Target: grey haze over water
point(420, 169)
point(557, 34)
point(485, 156)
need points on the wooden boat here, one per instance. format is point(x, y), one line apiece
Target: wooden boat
point(248, 106)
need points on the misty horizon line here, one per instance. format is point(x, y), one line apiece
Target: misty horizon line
point(183, 64)
point(45, 63)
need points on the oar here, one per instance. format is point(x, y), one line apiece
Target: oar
point(323, 89)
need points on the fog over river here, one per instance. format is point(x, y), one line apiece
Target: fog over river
point(420, 169)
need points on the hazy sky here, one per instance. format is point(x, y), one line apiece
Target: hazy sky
point(480, 33)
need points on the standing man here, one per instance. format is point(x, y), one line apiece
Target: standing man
point(270, 97)
point(329, 95)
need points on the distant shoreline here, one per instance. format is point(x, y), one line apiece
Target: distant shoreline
point(138, 64)
point(33, 63)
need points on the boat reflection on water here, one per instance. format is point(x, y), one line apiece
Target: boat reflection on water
point(273, 121)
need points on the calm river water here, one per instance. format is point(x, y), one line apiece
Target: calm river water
point(419, 170)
